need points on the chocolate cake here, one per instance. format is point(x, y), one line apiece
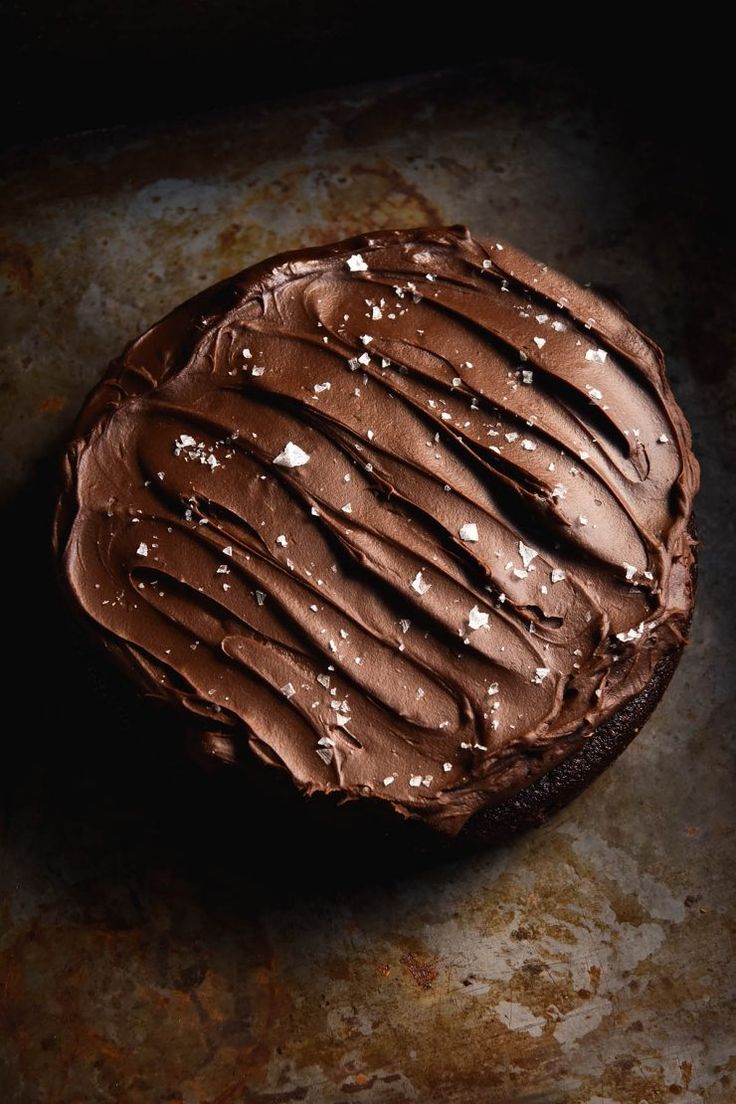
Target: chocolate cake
point(406, 519)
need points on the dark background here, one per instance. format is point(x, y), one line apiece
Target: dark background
point(85, 64)
point(82, 64)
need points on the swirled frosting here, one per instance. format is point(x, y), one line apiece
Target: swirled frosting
point(406, 516)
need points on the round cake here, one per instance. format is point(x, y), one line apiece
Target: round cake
point(406, 520)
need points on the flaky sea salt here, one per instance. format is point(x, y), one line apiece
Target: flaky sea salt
point(631, 635)
point(527, 554)
point(598, 356)
point(477, 619)
point(418, 584)
point(291, 456)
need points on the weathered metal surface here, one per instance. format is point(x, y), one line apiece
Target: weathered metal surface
point(145, 956)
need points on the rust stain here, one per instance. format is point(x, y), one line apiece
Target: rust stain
point(397, 190)
point(227, 237)
point(423, 971)
point(383, 969)
point(18, 264)
point(347, 199)
point(358, 1083)
point(52, 405)
point(524, 932)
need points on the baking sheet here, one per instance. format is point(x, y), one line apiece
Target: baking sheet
point(147, 952)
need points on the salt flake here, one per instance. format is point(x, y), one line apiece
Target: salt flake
point(418, 584)
point(469, 531)
point(527, 554)
point(477, 619)
point(291, 456)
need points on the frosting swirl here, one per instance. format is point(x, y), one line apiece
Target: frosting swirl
point(407, 514)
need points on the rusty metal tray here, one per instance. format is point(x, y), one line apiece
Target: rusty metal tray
point(148, 953)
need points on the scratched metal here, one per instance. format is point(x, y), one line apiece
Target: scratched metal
point(146, 953)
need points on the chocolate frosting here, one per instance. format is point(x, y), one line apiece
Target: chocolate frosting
point(406, 516)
